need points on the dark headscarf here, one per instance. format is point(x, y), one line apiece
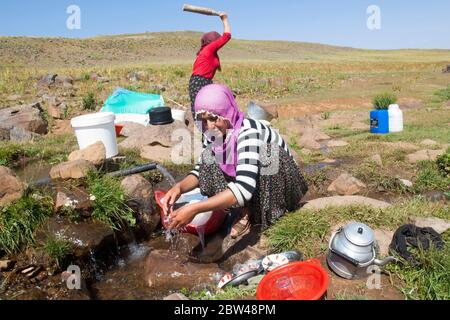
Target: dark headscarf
point(207, 38)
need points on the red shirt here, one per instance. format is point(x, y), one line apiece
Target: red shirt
point(208, 61)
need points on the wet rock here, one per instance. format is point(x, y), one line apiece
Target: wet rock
point(176, 296)
point(139, 192)
point(74, 197)
point(424, 155)
point(346, 184)
point(428, 142)
point(166, 271)
point(11, 188)
point(95, 153)
point(143, 136)
point(6, 265)
point(337, 143)
point(435, 196)
point(71, 170)
point(337, 201)
point(28, 117)
point(377, 159)
point(440, 225)
point(86, 237)
point(157, 153)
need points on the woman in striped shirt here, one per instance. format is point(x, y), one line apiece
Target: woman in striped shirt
point(244, 164)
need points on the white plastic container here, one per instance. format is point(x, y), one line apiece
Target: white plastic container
point(395, 118)
point(179, 115)
point(95, 127)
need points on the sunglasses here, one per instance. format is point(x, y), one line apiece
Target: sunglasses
point(203, 118)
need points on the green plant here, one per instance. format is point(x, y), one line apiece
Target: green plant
point(429, 177)
point(89, 102)
point(57, 250)
point(231, 293)
point(109, 205)
point(326, 115)
point(443, 94)
point(370, 173)
point(384, 100)
point(19, 220)
point(429, 280)
point(443, 163)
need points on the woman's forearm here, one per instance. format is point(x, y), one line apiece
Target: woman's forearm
point(226, 25)
point(221, 201)
point(188, 184)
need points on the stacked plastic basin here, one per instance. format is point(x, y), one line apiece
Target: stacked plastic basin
point(386, 121)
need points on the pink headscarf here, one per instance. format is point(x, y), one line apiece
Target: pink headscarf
point(218, 100)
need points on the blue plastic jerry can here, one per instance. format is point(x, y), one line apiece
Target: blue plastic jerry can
point(379, 121)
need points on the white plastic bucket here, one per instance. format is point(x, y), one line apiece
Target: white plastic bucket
point(179, 115)
point(95, 127)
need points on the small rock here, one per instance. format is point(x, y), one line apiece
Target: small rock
point(95, 153)
point(384, 239)
point(71, 170)
point(64, 81)
point(6, 265)
point(440, 225)
point(346, 184)
point(47, 81)
point(176, 296)
point(11, 188)
point(424, 155)
point(377, 159)
point(74, 197)
point(337, 143)
point(137, 76)
point(337, 201)
point(406, 183)
point(428, 142)
point(28, 117)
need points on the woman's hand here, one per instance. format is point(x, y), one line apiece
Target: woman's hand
point(182, 217)
point(223, 15)
point(170, 198)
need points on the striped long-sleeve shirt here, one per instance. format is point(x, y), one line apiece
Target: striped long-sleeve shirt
point(252, 136)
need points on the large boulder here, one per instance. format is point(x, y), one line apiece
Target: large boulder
point(16, 134)
point(440, 225)
point(73, 197)
point(346, 184)
point(311, 137)
point(27, 117)
point(140, 196)
point(11, 188)
point(95, 153)
point(143, 136)
point(76, 169)
point(157, 153)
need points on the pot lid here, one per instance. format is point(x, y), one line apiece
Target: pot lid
point(359, 234)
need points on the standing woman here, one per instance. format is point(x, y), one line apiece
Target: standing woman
point(208, 61)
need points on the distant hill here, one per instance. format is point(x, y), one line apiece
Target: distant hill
point(180, 47)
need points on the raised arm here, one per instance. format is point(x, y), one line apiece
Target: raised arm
point(226, 23)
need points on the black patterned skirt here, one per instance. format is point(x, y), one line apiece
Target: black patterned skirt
point(196, 83)
point(274, 194)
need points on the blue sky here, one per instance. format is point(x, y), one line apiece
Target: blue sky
point(404, 24)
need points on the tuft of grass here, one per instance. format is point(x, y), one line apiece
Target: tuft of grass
point(384, 100)
point(109, 205)
point(430, 178)
point(370, 173)
point(231, 293)
point(19, 220)
point(443, 94)
point(89, 102)
point(443, 163)
point(57, 250)
point(346, 296)
point(430, 279)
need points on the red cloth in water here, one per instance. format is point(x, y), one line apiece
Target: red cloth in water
point(208, 61)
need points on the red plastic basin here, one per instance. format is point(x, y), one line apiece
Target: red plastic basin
point(119, 128)
point(302, 280)
point(211, 226)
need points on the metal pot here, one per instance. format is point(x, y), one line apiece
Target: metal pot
point(352, 251)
